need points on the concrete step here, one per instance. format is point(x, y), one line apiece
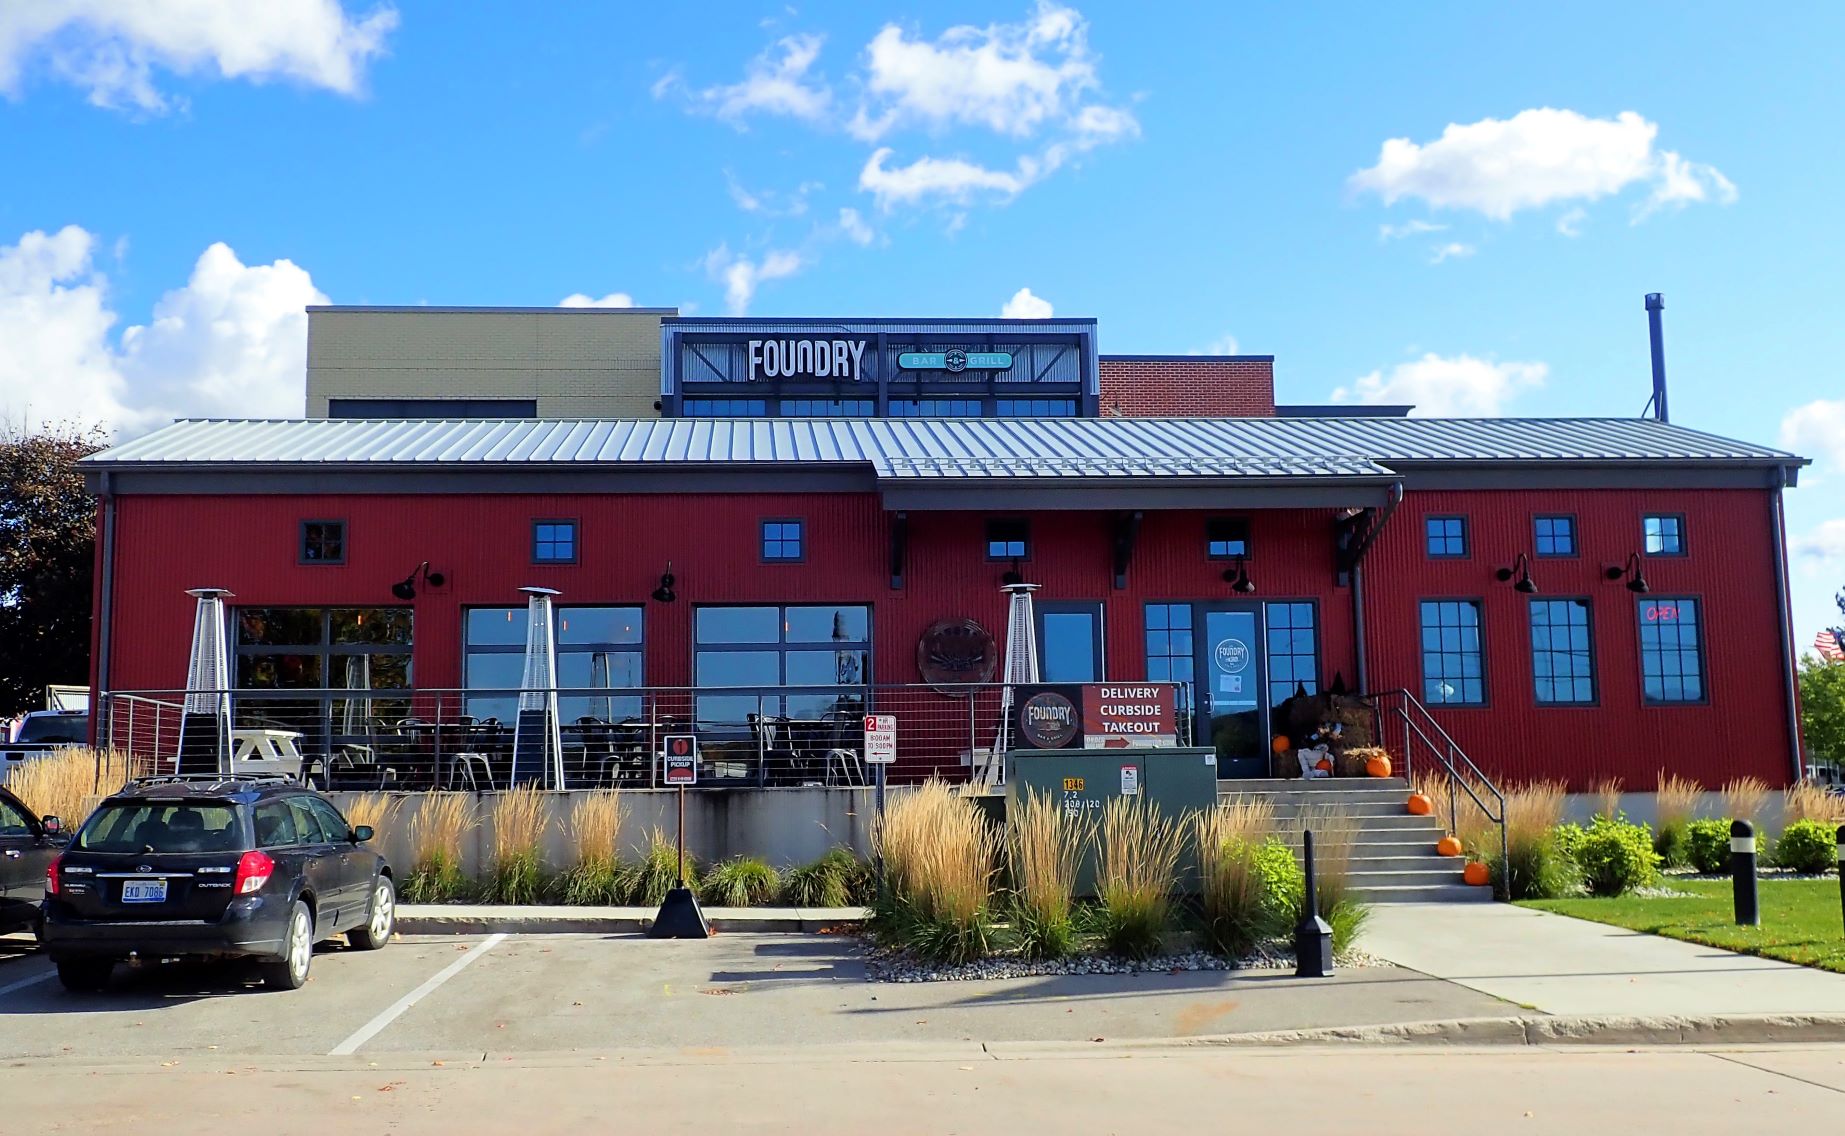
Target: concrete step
point(1388, 806)
point(1399, 858)
point(1365, 876)
point(1317, 785)
point(1384, 822)
point(1425, 893)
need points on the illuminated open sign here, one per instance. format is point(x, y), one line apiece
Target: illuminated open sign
point(1661, 613)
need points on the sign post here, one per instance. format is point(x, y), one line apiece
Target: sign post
point(880, 751)
point(679, 916)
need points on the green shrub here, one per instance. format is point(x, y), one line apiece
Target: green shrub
point(1807, 846)
point(859, 876)
point(1707, 846)
point(1540, 866)
point(658, 872)
point(1569, 838)
point(820, 883)
point(1616, 856)
point(1670, 844)
point(742, 881)
point(1284, 885)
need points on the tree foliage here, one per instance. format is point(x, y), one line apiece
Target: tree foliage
point(47, 548)
point(1822, 709)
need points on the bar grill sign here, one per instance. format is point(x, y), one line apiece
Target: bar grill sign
point(680, 757)
point(880, 739)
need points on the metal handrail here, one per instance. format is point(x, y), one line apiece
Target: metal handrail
point(1447, 756)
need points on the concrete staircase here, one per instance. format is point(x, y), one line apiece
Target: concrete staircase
point(1393, 855)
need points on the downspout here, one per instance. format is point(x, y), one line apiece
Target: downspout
point(1358, 586)
point(105, 605)
point(1787, 625)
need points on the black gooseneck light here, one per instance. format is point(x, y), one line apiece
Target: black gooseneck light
point(1636, 580)
point(405, 589)
point(1521, 568)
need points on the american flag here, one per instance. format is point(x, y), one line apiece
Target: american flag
point(1827, 644)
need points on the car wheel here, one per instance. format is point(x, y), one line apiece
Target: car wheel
point(85, 975)
point(290, 971)
point(380, 919)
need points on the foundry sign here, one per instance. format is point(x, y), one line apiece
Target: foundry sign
point(954, 360)
point(807, 359)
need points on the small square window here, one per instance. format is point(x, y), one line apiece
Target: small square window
point(554, 542)
point(1226, 538)
point(783, 540)
point(1555, 536)
point(1447, 536)
point(1665, 534)
point(323, 542)
point(1008, 540)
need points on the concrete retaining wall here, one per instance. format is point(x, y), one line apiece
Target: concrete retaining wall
point(783, 826)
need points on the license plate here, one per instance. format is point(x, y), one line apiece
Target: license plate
point(144, 891)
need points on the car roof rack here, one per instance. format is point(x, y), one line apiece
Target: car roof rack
point(216, 779)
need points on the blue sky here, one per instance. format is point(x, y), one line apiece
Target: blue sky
point(175, 185)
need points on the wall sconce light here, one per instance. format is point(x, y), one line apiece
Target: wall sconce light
point(1637, 583)
point(1012, 575)
point(1521, 567)
point(405, 589)
point(664, 593)
point(1237, 576)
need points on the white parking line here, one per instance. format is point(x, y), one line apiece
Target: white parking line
point(372, 1028)
point(25, 982)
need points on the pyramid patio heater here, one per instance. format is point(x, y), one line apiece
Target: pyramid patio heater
point(538, 743)
point(205, 718)
point(1020, 669)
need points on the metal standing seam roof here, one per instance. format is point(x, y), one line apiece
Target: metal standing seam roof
point(943, 447)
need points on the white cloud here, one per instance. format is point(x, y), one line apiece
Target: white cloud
point(1416, 228)
point(584, 300)
point(775, 82)
point(1222, 345)
point(1817, 429)
point(929, 180)
point(1536, 158)
point(1012, 79)
point(741, 276)
point(111, 48)
point(1570, 223)
point(231, 342)
point(1461, 386)
point(771, 203)
point(1025, 306)
point(1825, 545)
point(855, 228)
point(1453, 250)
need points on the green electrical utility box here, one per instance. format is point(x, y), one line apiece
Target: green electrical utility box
point(1176, 781)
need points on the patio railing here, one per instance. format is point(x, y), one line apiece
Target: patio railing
point(472, 739)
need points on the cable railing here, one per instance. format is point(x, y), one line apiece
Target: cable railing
point(421, 739)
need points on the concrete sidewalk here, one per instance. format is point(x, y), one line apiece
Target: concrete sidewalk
point(1570, 966)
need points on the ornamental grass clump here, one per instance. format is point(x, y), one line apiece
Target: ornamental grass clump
point(519, 826)
point(376, 811)
point(1607, 793)
point(436, 833)
point(1139, 855)
point(1044, 849)
point(1804, 800)
point(68, 783)
point(1335, 839)
point(818, 883)
point(1536, 863)
point(940, 856)
point(597, 878)
point(741, 881)
point(658, 871)
point(1675, 800)
point(1236, 909)
point(1743, 799)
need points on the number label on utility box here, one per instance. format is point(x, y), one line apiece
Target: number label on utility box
point(680, 755)
point(880, 739)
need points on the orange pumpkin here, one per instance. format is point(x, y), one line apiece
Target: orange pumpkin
point(1476, 874)
point(1324, 764)
point(1420, 805)
point(1448, 846)
point(1378, 767)
point(1281, 744)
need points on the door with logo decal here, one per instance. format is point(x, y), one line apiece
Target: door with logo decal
point(1232, 711)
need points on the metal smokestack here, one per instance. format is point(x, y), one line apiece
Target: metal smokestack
point(1655, 304)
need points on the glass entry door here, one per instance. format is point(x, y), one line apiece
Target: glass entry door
point(1232, 707)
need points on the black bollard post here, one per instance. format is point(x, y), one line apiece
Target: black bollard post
point(1742, 872)
point(1839, 842)
point(1313, 952)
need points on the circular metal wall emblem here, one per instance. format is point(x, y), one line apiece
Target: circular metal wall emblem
point(1231, 654)
point(954, 651)
point(955, 360)
point(1048, 720)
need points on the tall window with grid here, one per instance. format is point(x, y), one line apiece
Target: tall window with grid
point(1671, 649)
point(1169, 647)
point(1453, 666)
point(1562, 652)
point(1293, 651)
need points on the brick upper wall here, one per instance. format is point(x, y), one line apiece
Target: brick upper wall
point(1187, 386)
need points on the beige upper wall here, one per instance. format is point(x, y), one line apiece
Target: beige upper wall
point(576, 362)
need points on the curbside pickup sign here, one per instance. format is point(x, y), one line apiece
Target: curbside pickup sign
point(1123, 715)
point(680, 755)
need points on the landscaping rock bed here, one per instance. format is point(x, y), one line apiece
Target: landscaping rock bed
point(889, 966)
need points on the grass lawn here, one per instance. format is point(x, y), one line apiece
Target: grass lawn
point(1801, 920)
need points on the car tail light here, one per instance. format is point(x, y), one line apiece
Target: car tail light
point(253, 871)
point(51, 876)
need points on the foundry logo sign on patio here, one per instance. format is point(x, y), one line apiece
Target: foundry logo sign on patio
point(806, 359)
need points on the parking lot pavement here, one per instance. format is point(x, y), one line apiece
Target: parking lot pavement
point(552, 993)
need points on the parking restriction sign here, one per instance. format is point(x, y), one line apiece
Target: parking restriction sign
point(880, 739)
point(681, 759)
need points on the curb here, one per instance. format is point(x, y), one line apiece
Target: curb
point(1718, 1029)
point(435, 920)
